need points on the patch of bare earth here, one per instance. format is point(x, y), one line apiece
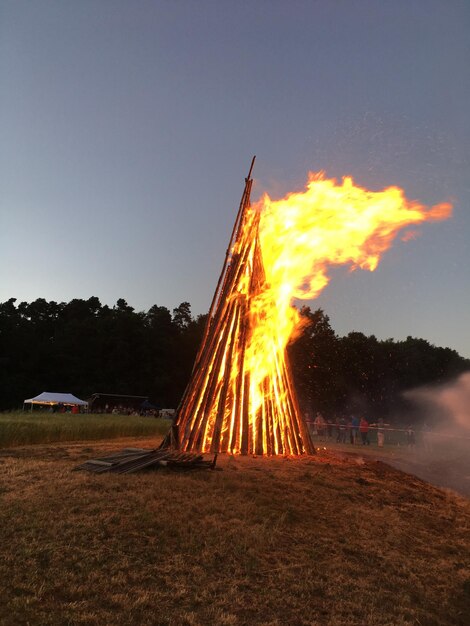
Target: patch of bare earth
point(310, 541)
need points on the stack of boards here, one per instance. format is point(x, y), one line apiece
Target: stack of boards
point(135, 459)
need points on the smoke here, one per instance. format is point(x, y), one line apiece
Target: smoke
point(442, 453)
point(447, 406)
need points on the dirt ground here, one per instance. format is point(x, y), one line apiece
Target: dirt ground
point(332, 539)
point(444, 464)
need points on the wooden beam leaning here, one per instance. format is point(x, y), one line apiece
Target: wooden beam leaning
point(226, 407)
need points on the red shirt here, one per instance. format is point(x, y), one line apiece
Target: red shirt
point(364, 426)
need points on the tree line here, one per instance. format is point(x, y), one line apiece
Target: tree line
point(83, 347)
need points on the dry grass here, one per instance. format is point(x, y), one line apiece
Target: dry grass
point(271, 542)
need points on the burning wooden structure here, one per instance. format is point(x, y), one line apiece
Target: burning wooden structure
point(240, 398)
point(230, 405)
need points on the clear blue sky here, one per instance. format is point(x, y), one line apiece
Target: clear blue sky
point(126, 130)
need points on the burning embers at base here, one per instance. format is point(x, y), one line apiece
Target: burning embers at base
point(240, 398)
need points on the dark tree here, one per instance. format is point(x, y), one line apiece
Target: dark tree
point(84, 347)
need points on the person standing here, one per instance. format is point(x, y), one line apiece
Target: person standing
point(410, 436)
point(354, 428)
point(380, 432)
point(319, 425)
point(338, 431)
point(364, 430)
point(342, 430)
point(349, 431)
point(310, 425)
point(329, 429)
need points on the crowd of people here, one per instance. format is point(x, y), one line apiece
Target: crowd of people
point(66, 408)
point(118, 409)
point(354, 430)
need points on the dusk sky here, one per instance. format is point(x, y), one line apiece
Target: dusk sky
point(127, 128)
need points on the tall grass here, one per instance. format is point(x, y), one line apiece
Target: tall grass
point(29, 428)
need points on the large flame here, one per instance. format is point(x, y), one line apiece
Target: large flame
point(305, 233)
point(240, 397)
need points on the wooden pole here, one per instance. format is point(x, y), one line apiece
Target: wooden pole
point(216, 412)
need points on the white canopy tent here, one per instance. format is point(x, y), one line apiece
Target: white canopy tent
point(48, 398)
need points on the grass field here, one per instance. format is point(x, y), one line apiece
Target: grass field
point(22, 428)
point(326, 540)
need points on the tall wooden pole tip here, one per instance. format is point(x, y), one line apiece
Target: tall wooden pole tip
point(251, 169)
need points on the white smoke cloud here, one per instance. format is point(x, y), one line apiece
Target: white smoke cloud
point(442, 456)
point(446, 406)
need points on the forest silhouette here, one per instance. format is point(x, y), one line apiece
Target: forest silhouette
point(84, 347)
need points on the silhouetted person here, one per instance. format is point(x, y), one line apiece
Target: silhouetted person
point(410, 436)
point(342, 430)
point(349, 427)
point(364, 430)
point(354, 428)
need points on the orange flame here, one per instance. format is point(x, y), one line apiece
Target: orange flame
point(240, 398)
point(304, 233)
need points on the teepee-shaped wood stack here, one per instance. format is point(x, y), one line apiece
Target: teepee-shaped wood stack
point(218, 412)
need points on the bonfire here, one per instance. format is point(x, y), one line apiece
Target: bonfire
point(241, 398)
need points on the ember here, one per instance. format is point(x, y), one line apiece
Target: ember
point(240, 398)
